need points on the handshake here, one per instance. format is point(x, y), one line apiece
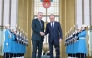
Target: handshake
point(42, 33)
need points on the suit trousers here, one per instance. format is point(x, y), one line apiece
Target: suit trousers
point(7, 55)
point(81, 55)
point(14, 54)
point(57, 50)
point(71, 55)
point(37, 44)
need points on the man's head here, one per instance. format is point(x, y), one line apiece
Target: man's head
point(40, 14)
point(79, 30)
point(52, 18)
point(11, 29)
point(83, 27)
point(7, 26)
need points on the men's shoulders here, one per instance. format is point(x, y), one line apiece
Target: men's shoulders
point(34, 19)
point(48, 23)
point(7, 30)
point(42, 21)
point(57, 22)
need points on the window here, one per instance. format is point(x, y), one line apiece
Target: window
point(53, 9)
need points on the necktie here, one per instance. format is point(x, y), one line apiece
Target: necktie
point(41, 24)
point(52, 25)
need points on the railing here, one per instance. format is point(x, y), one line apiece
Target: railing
point(1, 39)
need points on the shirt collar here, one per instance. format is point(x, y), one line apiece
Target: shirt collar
point(39, 20)
point(52, 22)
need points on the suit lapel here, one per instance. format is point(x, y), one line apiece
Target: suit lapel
point(38, 22)
point(54, 24)
point(51, 26)
point(41, 24)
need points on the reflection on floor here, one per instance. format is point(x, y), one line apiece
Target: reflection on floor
point(44, 56)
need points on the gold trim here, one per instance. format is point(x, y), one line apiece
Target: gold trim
point(32, 14)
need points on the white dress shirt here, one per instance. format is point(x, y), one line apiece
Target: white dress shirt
point(40, 23)
point(51, 24)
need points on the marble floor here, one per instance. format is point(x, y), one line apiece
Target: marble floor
point(44, 56)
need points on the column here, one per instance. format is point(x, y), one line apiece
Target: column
point(90, 31)
point(63, 25)
point(29, 24)
point(25, 16)
point(0, 27)
point(6, 12)
point(0, 12)
point(20, 13)
point(86, 13)
point(78, 12)
point(61, 48)
point(14, 13)
point(87, 20)
point(91, 12)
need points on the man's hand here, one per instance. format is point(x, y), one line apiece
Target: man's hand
point(60, 40)
point(6, 44)
point(42, 33)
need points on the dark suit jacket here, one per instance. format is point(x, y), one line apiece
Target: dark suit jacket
point(36, 27)
point(54, 33)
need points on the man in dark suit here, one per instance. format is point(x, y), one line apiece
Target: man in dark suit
point(37, 39)
point(55, 36)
